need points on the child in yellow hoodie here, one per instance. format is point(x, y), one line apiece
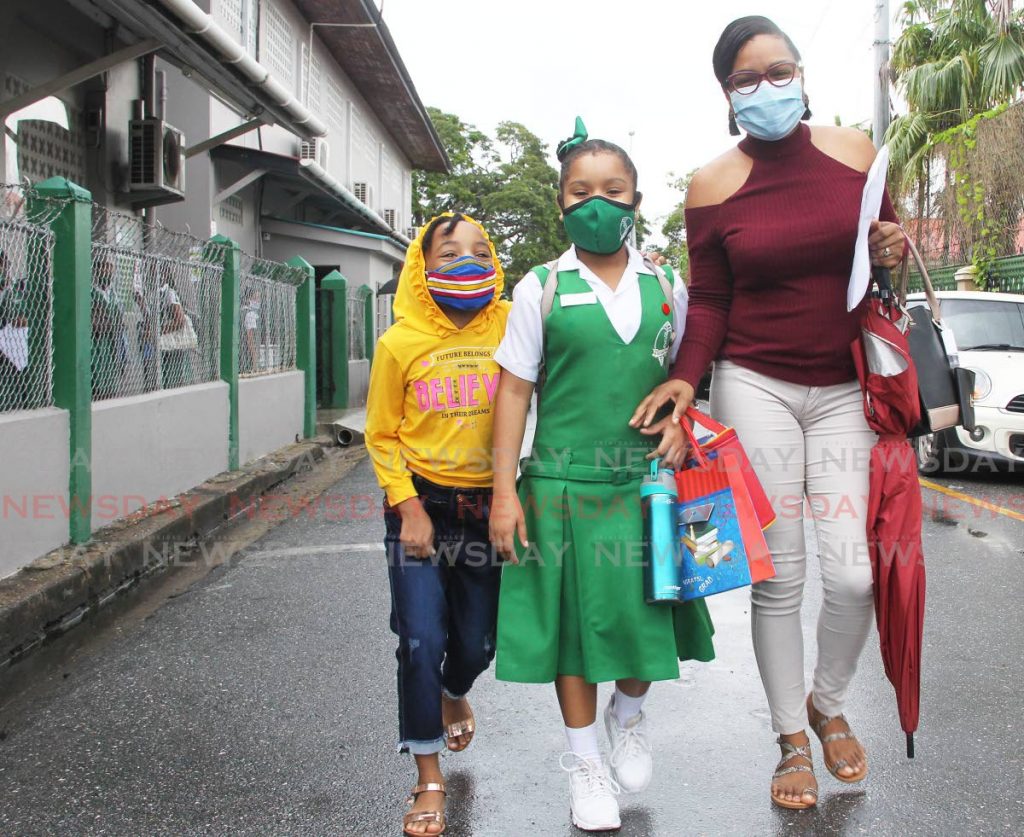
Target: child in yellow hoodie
point(428, 430)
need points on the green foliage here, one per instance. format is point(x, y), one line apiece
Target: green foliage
point(674, 227)
point(954, 60)
point(958, 63)
point(506, 184)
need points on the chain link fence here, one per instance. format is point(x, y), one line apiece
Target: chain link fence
point(155, 307)
point(356, 324)
point(26, 298)
point(267, 329)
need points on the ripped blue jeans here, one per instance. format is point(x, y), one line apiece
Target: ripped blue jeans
point(444, 609)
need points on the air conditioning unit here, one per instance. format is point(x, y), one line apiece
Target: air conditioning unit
point(316, 150)
point(361, 191)
point(156, 162)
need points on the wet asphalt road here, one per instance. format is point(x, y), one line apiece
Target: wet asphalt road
point(261, 701)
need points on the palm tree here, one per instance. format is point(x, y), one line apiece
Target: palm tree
point(954, 59)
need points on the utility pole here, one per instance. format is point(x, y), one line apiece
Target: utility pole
point(880, 123)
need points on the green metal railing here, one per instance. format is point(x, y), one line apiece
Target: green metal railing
point(75, 253)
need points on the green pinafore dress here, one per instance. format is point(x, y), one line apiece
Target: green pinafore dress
point(574, 604)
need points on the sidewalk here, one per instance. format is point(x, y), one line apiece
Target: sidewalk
point(59, 590)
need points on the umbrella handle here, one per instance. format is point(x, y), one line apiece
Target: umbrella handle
point(910, 745)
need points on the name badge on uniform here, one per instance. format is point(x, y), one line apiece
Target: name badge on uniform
point(569, 300)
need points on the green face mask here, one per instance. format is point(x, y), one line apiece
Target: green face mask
point(599, 225)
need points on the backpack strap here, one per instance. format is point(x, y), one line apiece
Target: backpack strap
point(666, 278)
point(548, 276)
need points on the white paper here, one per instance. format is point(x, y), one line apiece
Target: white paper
point(870, 206)
point(14, 345)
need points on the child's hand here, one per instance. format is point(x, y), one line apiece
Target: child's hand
point(674, 445)
point(417, 535)
point(506, 521)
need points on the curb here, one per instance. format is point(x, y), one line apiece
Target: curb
point(58, 590)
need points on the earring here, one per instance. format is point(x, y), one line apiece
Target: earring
point(807, 108)
point(733, 127)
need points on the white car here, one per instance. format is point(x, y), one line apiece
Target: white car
point(989, 332)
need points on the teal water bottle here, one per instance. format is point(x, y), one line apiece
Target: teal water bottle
point(662, 553)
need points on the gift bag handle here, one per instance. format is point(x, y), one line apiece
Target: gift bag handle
point(695, 415)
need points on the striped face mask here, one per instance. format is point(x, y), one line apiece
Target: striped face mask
point(467, 283)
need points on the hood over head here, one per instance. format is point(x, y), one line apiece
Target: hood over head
point(416, 308)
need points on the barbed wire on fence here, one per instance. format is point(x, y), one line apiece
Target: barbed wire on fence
point(155, 306)
point(26, 298)
point(267, 336)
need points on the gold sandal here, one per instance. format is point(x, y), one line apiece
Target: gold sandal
point(424, 816)
point(466, 727)
point(788, 752)
point(820, 725)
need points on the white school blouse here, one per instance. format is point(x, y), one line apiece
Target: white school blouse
point(521, 348)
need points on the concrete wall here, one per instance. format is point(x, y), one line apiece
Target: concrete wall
point(147, 447)
point(358, 382)
point(270, 412)
point(33, 485)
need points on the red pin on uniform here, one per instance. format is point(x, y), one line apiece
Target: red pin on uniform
point(665, 309)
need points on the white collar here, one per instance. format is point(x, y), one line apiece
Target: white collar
point(569, 260)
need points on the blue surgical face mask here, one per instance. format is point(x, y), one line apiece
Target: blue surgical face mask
point(770, 113)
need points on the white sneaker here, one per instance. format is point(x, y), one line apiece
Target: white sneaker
point(630, 762)
point(592, 792)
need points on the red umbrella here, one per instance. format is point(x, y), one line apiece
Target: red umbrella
point(892, 406)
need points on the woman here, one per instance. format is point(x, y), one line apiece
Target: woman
point(771, 227)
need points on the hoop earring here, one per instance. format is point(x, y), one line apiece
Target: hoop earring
point(734, 129)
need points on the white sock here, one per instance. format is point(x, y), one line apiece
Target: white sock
point(626, 708)
point(583, 742)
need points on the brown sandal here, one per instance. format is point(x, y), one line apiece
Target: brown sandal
point(818, 727)
point(788, 752)
point(424, 816)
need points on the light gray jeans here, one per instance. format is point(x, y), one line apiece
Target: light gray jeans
point(810, 447)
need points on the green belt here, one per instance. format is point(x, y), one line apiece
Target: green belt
point(565, 470)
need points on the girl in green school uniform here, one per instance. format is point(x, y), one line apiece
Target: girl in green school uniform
point(572, 607)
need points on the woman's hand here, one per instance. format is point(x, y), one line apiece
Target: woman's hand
point(674, 445)
point(885, 242)
point(672, 390)
point(506, 521)
point(417, 535)
point(655, 257)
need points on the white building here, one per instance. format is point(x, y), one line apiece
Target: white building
point(296, 120)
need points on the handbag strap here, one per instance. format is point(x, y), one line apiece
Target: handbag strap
point(926, 280)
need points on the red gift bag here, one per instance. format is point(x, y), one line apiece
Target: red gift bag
point(723, 470)
point(726, 440)
point(721, 462)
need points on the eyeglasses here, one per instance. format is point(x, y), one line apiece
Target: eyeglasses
point(746, 82)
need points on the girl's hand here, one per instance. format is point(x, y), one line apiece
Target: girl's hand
point(507, 520)
point(885, 241)
point(417, 535)
point(674, 445)
point(672, 390)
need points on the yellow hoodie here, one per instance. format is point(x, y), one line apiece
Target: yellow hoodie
point(432, 387)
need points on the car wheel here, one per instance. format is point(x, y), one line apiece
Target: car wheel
point(929, 449)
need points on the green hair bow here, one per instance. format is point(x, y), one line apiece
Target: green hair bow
point(579, 136)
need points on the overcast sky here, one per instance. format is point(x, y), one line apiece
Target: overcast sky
point(640, 66)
